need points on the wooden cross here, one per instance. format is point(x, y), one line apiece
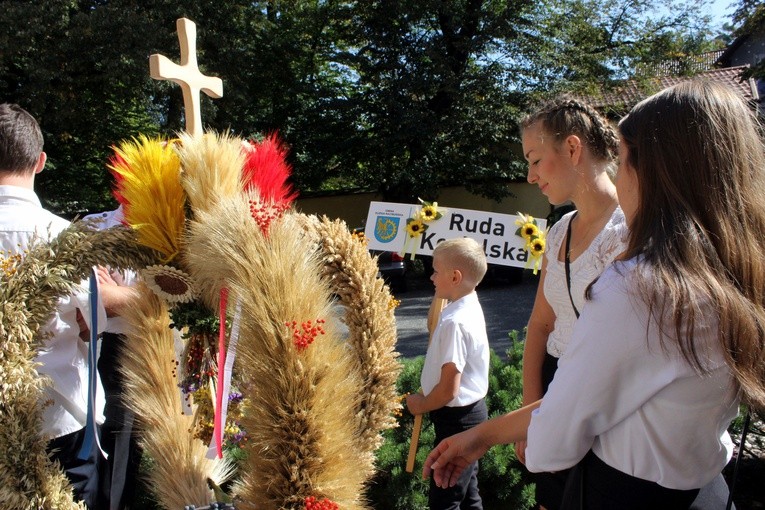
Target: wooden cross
point(187, 75)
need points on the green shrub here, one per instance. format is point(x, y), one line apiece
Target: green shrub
point(502, 480)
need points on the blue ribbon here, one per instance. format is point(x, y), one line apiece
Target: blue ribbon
point(91, 430)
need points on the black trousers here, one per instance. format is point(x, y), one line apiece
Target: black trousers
point(82, 474)
point(118, 438)
point(448, 421)
point(549, 486)
point(594, 485)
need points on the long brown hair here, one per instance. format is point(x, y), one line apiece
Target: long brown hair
point(700, 221)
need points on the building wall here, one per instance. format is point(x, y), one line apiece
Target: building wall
point(353, 208)
point(751, 51)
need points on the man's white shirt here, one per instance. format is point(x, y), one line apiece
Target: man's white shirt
point(64, 357)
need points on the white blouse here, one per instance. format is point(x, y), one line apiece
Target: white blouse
point(642, 409)
point(607, 245)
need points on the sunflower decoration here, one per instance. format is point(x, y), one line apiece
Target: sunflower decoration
point(415, 227)
point(529, 231)
point(169, 283)
point(429, 211)
point(528, 228)
point(535, 239)
point(537, 246)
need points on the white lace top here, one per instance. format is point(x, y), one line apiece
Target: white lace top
point(609, 243)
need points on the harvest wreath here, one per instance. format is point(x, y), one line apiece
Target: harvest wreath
point(216, 210)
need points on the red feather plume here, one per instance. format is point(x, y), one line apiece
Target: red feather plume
point(116, 161)
point(265, 174)
point(267, 171)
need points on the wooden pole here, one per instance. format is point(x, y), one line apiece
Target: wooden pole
point(434, 313)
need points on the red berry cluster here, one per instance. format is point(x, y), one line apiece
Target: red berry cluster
point(311, 503)
point(264, 214)
point(304, 335)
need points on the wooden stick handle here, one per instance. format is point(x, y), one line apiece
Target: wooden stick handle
point(434, 313)
point(416, 428)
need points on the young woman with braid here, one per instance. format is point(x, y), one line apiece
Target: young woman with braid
point(571, 152)
point(672, 334)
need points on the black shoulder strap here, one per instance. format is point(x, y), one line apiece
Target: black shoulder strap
point(568, 262)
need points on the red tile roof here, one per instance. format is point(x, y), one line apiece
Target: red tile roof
point(626, 96)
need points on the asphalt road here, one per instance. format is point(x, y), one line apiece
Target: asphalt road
point(506, 307)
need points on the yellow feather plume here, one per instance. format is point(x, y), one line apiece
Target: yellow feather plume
point(149, 187)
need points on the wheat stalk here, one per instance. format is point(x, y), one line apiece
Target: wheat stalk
point(48, 271)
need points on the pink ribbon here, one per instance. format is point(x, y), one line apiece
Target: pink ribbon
point(218, 422)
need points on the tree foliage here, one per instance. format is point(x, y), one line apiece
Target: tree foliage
point(389, 95)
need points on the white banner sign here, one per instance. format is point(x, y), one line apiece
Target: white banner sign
point(386, 231)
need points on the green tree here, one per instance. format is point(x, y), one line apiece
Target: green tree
point(438, 103)
point(599, 43)
point(389, 95)
point(65, 61)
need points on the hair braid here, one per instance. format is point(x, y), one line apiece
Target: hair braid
point(567, 115)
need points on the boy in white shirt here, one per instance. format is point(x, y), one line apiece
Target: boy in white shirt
point(455, 377)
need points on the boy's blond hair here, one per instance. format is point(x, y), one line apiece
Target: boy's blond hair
point(466, 255)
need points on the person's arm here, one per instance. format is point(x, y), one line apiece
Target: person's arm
point(445, 391)
point(112, 298)
point(449, 459)
point(84, 329)
point(113, 295)
point(540, 326)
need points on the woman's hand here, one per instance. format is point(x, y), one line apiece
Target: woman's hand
point(452, 455)
point(520, 451)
